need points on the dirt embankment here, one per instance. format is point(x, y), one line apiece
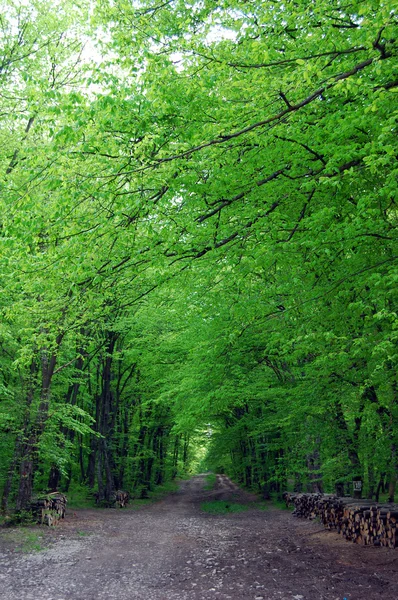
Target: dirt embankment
point(174, 551)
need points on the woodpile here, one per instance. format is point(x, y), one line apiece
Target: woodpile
point(121, 498)
point(49, 508)
point(360, 521)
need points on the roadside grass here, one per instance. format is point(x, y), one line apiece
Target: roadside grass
point(220, 507)
point(281, 504)
point(211, 479)
point(263, 504)
point(135, 503)
point(25, 541)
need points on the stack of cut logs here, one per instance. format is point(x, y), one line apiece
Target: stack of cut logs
point(49, 508)
point(361, 521)
point(121, 498)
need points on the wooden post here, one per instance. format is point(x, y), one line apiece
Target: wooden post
point(357, 487)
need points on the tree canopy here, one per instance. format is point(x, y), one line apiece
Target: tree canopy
point(198, 243)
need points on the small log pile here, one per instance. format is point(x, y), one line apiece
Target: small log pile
point(49, 508)
point(359, 521)
point(305, 505)
point(121, 498)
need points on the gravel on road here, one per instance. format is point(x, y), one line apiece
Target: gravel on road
point(172, 550)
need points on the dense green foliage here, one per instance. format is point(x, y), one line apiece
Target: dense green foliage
point(198, 243)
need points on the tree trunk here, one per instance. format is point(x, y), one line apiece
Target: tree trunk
point(380, 486)
point(393, 474)
point(175, 456)
point(30, 447)
point(313, 465)
point(185, 455)
point(54, 478)
point(18, 442)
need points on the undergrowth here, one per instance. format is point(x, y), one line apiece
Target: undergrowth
point(80, 496)
point(159, 492)
point(278, 503)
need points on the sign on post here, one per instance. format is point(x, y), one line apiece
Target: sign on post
point(357, 486)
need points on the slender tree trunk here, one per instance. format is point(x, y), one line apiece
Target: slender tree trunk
point(107, 418)
point(81, 461)
point(380, 486)
point(185, 455)
point(313, 465)
point(372, 481)
point(393, 474)
point(175, 456)
point(54, 478)
point(55, 475)
point(394, 451)
point(159, 449)
point(352, 449)
point(100, 483)
point(92, 461)
point(30, 447)
point(124, 447)
point(19, 440)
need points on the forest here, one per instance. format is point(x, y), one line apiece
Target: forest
point(198, 245)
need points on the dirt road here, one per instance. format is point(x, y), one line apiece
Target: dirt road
point(174, 551)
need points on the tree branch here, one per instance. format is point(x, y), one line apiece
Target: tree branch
point(274, 118)
point(239, 196)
